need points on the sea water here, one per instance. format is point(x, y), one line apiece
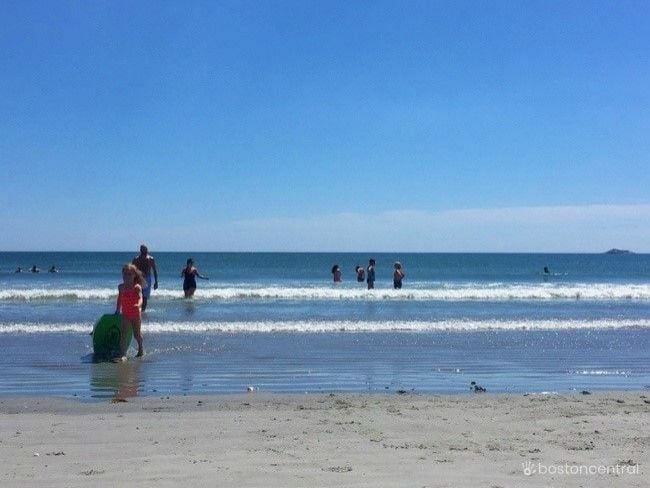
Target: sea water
point(277, 322)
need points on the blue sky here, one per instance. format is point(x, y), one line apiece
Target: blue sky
point(325, 125)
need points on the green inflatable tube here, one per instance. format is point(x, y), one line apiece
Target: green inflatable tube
point(106, 336)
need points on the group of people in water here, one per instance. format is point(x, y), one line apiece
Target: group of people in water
point(36, 269)
point(368, 274)
point(139, 277)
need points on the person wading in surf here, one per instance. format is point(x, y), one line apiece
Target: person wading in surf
point(146, 264)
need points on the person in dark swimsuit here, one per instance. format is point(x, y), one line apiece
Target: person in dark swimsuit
point(189, 275)
point(336, 273)
point(398, 276)
point(370, 275)
point(361, 274)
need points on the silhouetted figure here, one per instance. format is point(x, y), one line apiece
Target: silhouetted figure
point(370, 274)
point(398, 276)
point(361, 274)
point(336, 273)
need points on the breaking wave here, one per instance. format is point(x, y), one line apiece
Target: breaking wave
point(437, 292)
point(332, 326)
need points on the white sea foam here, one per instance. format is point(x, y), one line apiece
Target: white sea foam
point(602, 372)
point(58, 294)
point(333, 326)
point(436, 292)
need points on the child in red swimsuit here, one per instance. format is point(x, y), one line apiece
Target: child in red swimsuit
point(129, 302)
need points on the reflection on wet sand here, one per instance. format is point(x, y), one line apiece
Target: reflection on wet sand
point(116, 380)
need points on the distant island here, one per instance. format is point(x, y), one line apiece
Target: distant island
point(618, 251)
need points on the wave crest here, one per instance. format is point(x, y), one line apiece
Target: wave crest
point(439, 292)
point(333, 326)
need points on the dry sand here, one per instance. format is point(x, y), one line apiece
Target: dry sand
point(328, 440)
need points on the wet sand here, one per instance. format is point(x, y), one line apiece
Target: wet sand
point(257, 439)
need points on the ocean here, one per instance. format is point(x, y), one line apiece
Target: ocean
point(276, 322)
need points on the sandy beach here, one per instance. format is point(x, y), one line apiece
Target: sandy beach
point(602, 439)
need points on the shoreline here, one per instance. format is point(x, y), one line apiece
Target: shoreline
point(180, 402)
point(264, 439)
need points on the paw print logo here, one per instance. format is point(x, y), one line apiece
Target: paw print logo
point(528, 468)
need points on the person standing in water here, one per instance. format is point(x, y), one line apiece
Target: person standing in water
point(370, 274)
point(147, 265)
point(129, 304)
point(336, 273)
point(189, 275)
point(398, 276)
point(361, 274)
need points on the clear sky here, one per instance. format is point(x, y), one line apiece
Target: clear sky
point(325, 125)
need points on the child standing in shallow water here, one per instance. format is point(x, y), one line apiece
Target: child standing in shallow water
point(129, 302)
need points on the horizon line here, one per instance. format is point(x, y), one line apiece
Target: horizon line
point(621, 252)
